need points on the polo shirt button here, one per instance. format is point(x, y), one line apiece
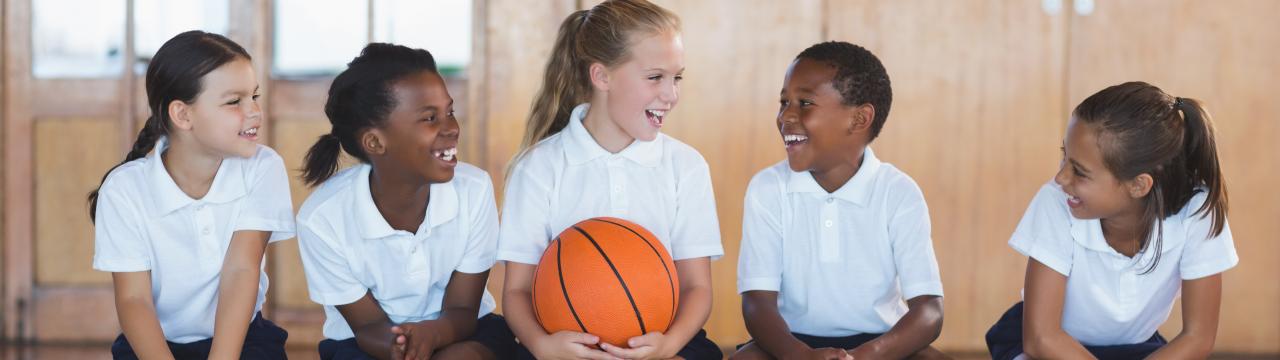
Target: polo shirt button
point(828, 223)
point(830, 200)
point(205, 231)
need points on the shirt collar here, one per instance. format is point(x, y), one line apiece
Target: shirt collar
point(228, 183)
point(857, 190)
point(581, 148)
point(441, 208)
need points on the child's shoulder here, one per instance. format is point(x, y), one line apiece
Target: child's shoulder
point(332, 189)
point(679, 153)
point(467, 177)
point(129, 179)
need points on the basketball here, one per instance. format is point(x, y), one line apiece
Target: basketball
point(606, 277)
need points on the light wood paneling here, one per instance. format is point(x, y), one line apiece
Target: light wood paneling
point(1223, 53)
point(71, 158)
point(76, 314)
point(727, 113)
point(976, 120)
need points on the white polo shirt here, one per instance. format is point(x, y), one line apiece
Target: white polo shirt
point(662, 185)
point(145, 222)
point(1108, 299)
point(349, 249)
point(845, 262)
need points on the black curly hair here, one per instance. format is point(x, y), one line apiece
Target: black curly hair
point(860, 77)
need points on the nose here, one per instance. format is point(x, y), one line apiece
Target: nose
point(1062, 177)
point(788, 114)
point(452, 128)
point(670, 94)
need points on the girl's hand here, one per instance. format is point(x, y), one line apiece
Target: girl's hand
point(569, 345)
point(654, 345)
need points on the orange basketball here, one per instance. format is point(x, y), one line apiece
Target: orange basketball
point(606, 277)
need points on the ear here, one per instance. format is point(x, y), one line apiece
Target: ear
point(371, 141)
point(180, 114)
point(860, 117)
point(1140, 185)
point(599, 76)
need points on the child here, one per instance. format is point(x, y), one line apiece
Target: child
point(1136, 213)
point(592, 148)
point(398, 248)
point(834, 240)
point(183, 230)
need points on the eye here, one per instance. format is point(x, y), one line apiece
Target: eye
point(804, 103)
point(235, 101)
point(256, 96)
point(655, 77)
point(679, 78)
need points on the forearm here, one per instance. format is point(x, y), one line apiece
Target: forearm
point(1053, 344)
point(1187, 345)
point(517, 307)
point(375, 339)
point(460, 324)
point(916, 330)
point(692, 313)
point(769, 330)
point(237, 295)
point(142, 328)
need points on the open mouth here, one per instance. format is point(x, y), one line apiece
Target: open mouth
point(655, 116)
point(251, 133)
point(447, 155)
point(1073, 201)
point(793, 140)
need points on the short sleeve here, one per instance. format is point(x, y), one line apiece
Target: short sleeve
point(330, 280)
point(482, 242)
point(760, 254)
point(1044, 233)
point(1204, 254)
point(525, 229)
point(267, 206)
point(119, 241)
point(696, 232)
point(912, 242)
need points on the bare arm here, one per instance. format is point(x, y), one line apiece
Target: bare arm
point(137, 312)
point(1042, 334)
point(915, 331)
point(237, 292)
point(1201, 303)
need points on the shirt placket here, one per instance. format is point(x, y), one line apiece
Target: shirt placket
point(417, 250)
point(830, 245)
point(208, 242)
point(618, 201)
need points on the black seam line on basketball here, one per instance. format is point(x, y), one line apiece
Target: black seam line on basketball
point(639, 319)
point(670, 284)
point(565, 291)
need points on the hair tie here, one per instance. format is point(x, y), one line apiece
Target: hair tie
point(1177, 102)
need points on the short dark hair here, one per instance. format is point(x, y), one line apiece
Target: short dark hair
point(860, 77)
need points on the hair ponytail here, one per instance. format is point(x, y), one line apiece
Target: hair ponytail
point(322, 160)
point(1200, 153)
point(599, 35)
point(175, 73)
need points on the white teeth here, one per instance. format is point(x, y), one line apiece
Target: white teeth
point(657, 113)
point(446, 154)
point(794, 138)
point(250, 131)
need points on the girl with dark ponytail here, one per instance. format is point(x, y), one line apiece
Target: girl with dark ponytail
point(1136, 215)
point(398, 247)
point(183, 221)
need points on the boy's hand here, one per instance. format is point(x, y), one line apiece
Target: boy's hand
point(569, 345)
point(830, 354)
point(417, 340)
point(653, 345)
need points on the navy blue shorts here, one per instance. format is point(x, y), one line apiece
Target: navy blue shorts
point(698, 348)
point(839, 342)
point(1004, 341)
point(264, 340)
point(491, 331)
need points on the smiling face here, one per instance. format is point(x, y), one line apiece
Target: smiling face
point(1093, 190)
point(225, 116)
point(644, 88)
point(421, 132)
point(819, 132)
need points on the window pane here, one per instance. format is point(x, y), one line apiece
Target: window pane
point(443, 27)
point(318, 37)
point(157, 21)
point(77, 38)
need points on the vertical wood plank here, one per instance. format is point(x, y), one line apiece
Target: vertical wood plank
point(69, 164)
point(18, 225)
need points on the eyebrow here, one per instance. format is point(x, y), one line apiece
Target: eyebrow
point(1078, 166)
point(236, 92)
point(433, 107)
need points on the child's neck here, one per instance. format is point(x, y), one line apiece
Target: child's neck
point(604, 131)
point(191, 168)
point(1122, 232)
point(401, 198)
point(834, 178)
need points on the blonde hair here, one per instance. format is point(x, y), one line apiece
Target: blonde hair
point(603, 35)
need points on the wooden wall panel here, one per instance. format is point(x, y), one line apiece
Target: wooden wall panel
point(70, 157)
point(1224, 54)
point(976, 120)
point(727, 113)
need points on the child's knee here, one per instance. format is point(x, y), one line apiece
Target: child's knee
point(750, 352)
